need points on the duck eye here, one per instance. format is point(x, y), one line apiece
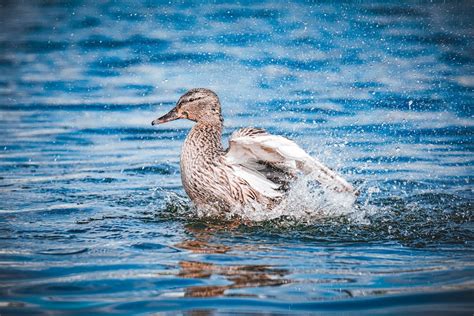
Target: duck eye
point(185, 114)
point(194, 99)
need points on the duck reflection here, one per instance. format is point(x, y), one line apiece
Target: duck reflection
point(197, 246)
point(238, 276)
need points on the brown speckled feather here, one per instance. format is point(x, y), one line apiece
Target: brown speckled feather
point(206, 177)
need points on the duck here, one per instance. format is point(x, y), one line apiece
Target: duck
point(257, 168)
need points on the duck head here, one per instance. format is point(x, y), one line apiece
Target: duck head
point(198, 105)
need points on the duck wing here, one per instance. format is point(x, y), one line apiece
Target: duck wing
point(270, 162)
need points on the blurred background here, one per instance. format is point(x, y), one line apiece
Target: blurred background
point(93, 217)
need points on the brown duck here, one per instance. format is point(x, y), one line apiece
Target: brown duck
point(257, 168)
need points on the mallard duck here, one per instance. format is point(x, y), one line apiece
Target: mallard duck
point(256, 169)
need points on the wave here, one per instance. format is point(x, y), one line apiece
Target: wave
point(310, 212)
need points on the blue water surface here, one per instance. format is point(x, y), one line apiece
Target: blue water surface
point(93, 217)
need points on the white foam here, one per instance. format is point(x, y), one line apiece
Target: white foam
point(305, 203)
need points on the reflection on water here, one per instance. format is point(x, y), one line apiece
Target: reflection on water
point(238, 276)
point(234, 276)
point(202, 247)
point(245, 276)
point(93, 218)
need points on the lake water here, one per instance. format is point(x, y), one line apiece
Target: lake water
point(93, 217)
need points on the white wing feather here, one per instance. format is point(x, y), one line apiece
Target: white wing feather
point(246, 149)
point(257, 181)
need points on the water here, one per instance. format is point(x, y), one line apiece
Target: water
point(93, 217)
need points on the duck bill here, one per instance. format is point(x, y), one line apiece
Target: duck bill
point(168, 117)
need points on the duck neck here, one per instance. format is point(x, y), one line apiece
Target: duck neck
point(205, 137)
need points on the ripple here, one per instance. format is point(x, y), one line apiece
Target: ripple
point(63, 251)
point(147, 246)
point(137, 42)
point(164, 169)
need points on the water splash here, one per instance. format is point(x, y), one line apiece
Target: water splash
point(311, 212)
point(305, 202)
